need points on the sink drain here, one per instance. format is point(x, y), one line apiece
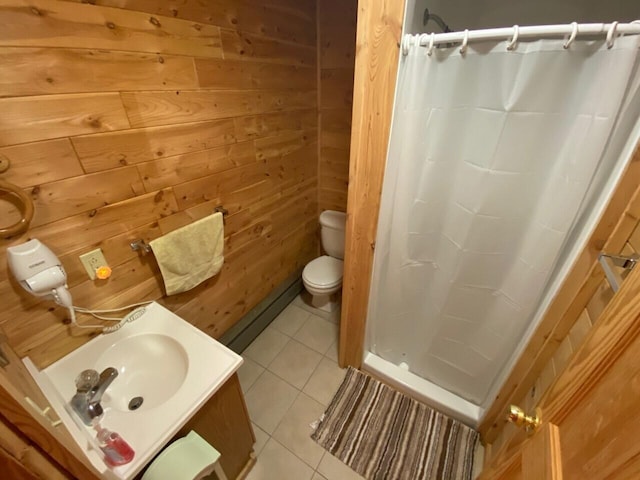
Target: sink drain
point(135, 403)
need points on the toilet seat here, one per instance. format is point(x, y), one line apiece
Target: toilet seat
point(323, 273)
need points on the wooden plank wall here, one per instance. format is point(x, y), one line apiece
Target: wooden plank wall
point(336, 62)
point(127, 119)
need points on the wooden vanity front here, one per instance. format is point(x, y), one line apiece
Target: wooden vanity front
point(224, 423)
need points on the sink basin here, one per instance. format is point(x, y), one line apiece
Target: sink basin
point(151, 367)
point(167, 369)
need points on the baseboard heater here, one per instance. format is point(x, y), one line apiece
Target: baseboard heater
point(238, 337)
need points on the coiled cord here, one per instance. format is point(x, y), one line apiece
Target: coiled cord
point(129, 317)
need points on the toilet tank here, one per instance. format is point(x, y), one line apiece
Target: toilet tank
point(332, 225)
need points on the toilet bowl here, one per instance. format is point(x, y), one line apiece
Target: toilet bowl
point(322, 277)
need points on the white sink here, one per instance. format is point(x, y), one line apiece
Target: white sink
point(150, 366)
point(163, 360)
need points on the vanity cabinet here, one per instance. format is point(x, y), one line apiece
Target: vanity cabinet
point(224, 422)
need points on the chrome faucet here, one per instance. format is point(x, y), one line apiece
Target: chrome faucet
point(90, 388)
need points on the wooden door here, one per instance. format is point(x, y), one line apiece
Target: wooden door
point(591, 414)
point(538, 459)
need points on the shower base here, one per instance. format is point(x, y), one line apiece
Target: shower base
point(423, 390)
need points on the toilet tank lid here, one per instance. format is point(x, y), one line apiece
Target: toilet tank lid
point(333, 219)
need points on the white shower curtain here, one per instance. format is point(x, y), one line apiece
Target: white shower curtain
point(492, 156)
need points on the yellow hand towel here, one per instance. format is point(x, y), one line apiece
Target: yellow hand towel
point(189, 255)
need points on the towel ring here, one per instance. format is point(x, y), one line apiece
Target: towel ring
point(26, 209)
point(572, 37)
point(465, 41)
point(610, 34)
point(512, 43)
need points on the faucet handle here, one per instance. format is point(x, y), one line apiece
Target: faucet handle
point(86, 380)
point(94, 410)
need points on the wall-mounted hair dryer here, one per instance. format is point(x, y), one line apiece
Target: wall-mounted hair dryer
point(39, 271)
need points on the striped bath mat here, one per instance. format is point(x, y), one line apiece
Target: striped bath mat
point(385, 435)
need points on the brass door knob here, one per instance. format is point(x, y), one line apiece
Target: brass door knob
point(517, 416)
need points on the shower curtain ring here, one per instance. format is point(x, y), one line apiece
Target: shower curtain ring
point(465, 41)
point(512, 43)
point(572, 37)
point(610, 35)
point(422, 39)
point(431, 40)
point(405, 44)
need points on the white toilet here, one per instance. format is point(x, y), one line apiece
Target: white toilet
point(322, 277)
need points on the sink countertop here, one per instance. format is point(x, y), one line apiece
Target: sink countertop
point(147, 430)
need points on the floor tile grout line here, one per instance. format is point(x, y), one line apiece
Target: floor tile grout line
point(286, 381)
point(265, 369)
point(323, 355)
point(287, 448)
point(254, 382)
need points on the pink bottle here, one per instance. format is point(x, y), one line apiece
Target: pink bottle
point(116, 450)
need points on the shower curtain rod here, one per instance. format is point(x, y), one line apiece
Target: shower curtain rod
point(516, 32)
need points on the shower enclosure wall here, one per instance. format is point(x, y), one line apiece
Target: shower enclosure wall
point(477, 234)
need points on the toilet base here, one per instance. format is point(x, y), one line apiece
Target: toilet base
point(326, 303)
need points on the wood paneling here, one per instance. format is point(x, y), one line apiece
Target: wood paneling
point(230, 74)
point(42, 162)
point(54, 23)
point(111, 150)
point(336, 88)
point(41, 71)
point(272, 124)
point(378, 37)
point(169, 171)
point(130, 118)
point(147, 109)
point(337, 42)
point(289, 21)
point(29, 119)
point(245, 46)
point(64, 198)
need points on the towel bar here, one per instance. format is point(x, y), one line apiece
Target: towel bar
point(222, 210)
point(141, 245)
point(144, 248)
point(609, 264)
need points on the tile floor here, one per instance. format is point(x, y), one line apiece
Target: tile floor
point(289, 377)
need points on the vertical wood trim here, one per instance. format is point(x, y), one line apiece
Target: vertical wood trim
point(319, 103)
point(541, 455)
point(377, 49)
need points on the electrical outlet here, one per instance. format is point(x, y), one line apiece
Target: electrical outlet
point(92, 260)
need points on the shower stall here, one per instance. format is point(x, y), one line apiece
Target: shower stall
point(506, 144)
